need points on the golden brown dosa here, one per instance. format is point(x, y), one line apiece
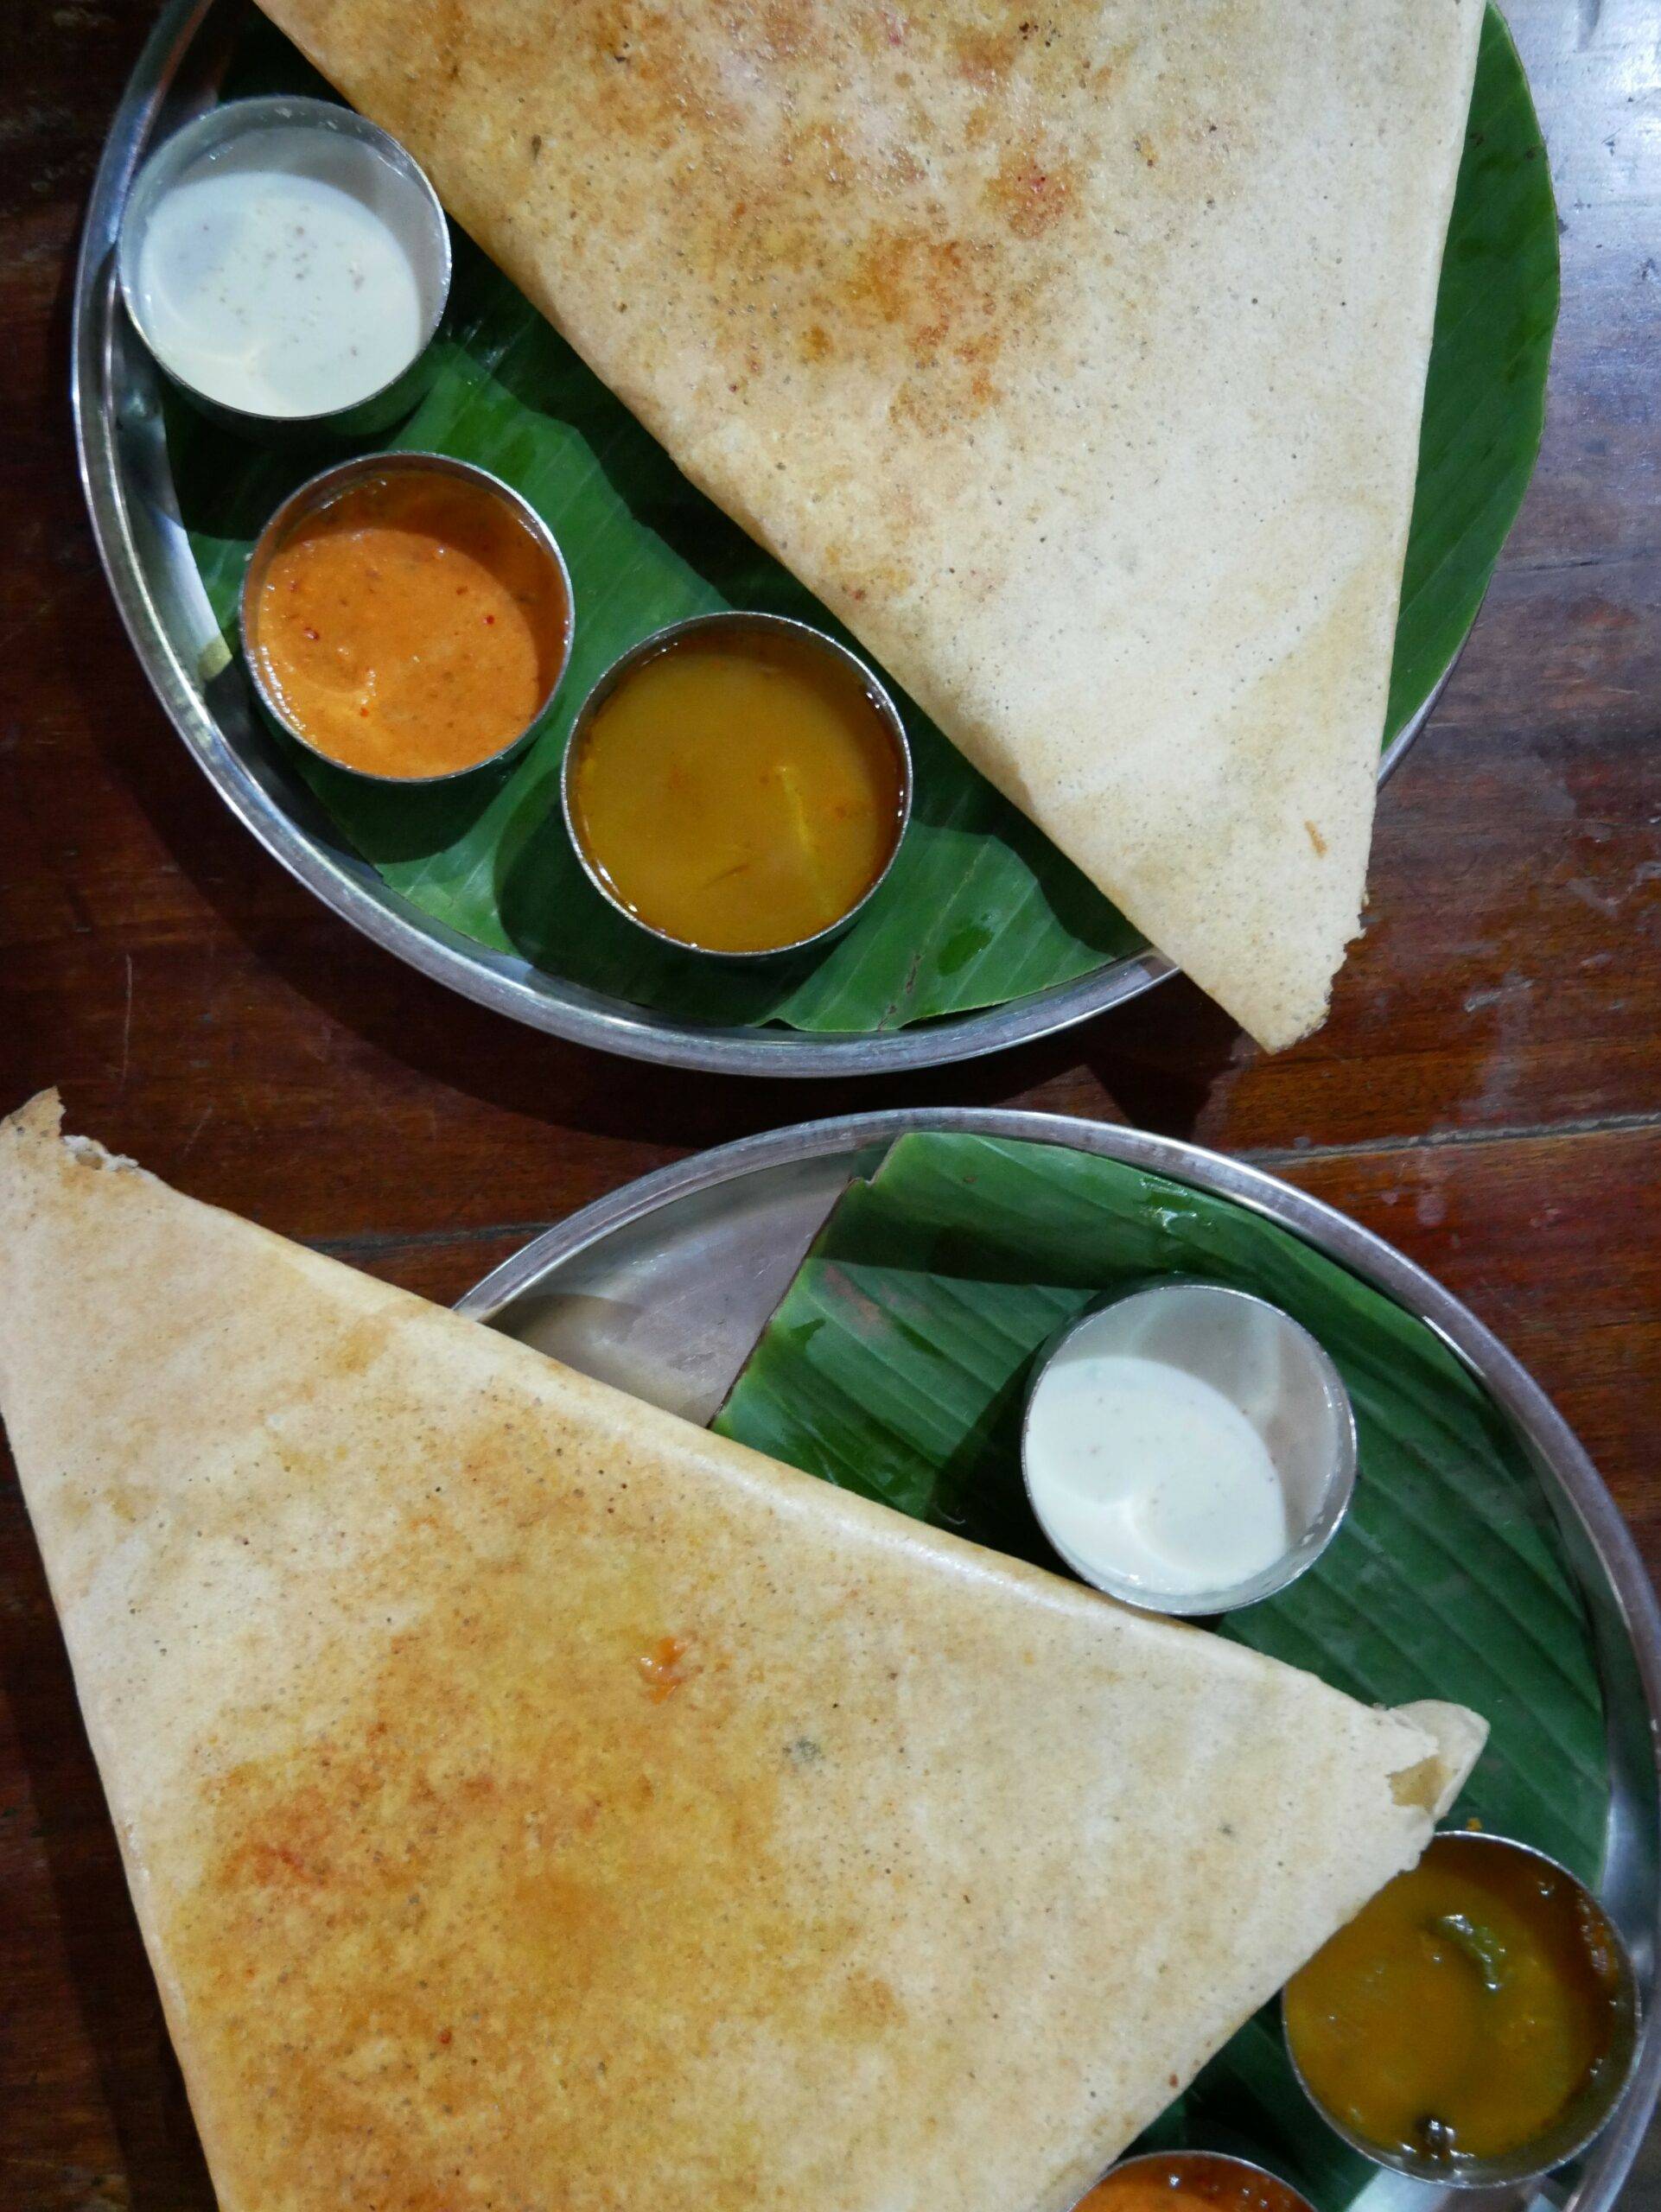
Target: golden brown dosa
point(531, 1800)
point(1074, 357)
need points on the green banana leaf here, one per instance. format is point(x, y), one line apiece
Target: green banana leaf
point(895, 1366)
point(980, 908)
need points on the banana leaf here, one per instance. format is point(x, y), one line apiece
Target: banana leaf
point(895, 1366)
point(980, 908)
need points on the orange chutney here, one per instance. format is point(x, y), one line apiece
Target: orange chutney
point(1463, 2011)
point(1191, 2181)
point(412, 626)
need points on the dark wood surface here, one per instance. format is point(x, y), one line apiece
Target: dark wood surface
point(1486, 1094)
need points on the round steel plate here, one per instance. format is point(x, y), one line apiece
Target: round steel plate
point(663, 1288)
point(130, 493)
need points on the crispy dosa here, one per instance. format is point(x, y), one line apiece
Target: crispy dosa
point(530, 1799)
point(1075, 358)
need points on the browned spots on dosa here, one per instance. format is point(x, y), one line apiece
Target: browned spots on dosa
point(811, 239)
point(882, 574)
point(985, 57)
point(1316, 840)
point(664, 1667)
point(927, 287)
point(869, 2001)
point(1031, 191)
point(788, 28)
point(466, 1926)
point(640, 78)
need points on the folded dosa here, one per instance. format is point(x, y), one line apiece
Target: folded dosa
point(531, 1800)
point(1074, 357)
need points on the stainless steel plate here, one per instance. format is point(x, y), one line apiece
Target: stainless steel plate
point(129, 491)
point(664, 1286)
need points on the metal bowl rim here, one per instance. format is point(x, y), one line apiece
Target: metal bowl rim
point(315, 493)
point(661, 640)
point(1217, 2158)
point(302, 111)
point(348, 885)
point(1563, 2143)
point(1298, 1558)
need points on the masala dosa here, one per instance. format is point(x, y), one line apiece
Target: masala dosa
point(530, 1799)
point(1074, 358)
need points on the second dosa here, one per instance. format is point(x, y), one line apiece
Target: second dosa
point(531, 1800)
point(1075, 357)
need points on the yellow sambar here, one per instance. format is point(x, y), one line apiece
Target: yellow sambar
point(1463, 2011)
point(740, 787)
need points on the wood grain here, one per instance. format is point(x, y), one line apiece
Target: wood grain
point(1487, 1093)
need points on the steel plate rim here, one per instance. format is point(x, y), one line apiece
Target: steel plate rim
point(361, 899)
point(1329, 1231)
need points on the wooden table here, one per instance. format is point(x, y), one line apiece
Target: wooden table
point(1487, 1093)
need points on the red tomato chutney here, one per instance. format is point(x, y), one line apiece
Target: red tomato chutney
point(412, 626)
point(1191, 2181)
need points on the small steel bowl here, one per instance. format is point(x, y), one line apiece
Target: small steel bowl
point(1259, 2188)
point(1328, 1491)
point(1584, 2118)
point(328, 484)
point(410, 209)
point(648, 648)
